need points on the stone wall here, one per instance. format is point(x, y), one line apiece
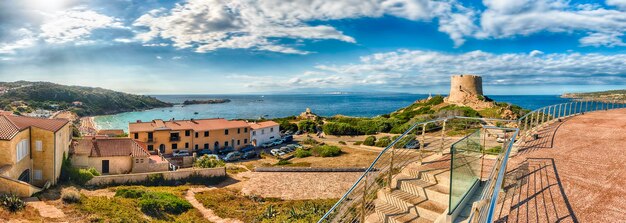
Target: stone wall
point(19, 188)
point(168, 175)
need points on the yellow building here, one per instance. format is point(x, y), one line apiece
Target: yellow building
point(169, 136)
point(31, 153)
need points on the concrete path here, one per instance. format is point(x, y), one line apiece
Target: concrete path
point(207, 213)
point(46, 210)
point(574, 172)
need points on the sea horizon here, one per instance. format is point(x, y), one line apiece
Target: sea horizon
point(256, 106)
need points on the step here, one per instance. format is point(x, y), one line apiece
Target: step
point(413, 204)
point(439, 176)
point(388, 213)
point(428, 190)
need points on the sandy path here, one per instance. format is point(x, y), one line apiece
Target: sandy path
point(207, 213)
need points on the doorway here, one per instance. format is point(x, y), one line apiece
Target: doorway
point(105, 166)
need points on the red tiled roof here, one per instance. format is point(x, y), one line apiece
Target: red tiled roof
point(10, 125)
point(106, 147)
point(197, 125)
point(260, 125)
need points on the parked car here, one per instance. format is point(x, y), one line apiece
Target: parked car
point(413, 144)
point(288, 132)
point(298, 132)
point(285, 149)
point(214, 156)
point(180, 152)
point(250, 155)
point(277, 142)
point(247, 149)
point(274, 152)
point(204, 152)
point(500, 139)
point(288, 138)
point(225, 150)
point(281, 153)
point(232, 156)
point(267, 144)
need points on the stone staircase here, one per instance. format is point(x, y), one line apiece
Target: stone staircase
point(419, 193)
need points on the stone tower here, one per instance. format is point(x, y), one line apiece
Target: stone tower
point(464, 88)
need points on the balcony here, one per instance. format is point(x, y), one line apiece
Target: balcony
point(174, 138)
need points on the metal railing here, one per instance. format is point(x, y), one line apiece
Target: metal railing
point(358, 203)
point(484, 209)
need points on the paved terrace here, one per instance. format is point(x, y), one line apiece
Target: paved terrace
point(575, 172)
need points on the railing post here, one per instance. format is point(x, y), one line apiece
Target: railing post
point(390, 169)
point(421, 153)
point(571, 112)
point(363, 200)
point(543, 115)
point(560, 109)
point(443, 136)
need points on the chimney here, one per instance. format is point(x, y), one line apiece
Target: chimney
point(138, 121)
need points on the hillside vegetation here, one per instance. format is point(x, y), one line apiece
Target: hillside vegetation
point(23, 96)
point(600, 95)
point(401, 120)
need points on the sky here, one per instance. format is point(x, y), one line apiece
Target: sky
point(304, 46)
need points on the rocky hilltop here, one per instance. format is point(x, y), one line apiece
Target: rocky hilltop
point(600, 96)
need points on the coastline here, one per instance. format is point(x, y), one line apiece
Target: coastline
point(88, 126)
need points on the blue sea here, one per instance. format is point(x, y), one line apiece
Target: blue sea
point(279, 105)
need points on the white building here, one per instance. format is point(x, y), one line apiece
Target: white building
point(263, 132)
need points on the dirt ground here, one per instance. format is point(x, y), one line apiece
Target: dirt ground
point(298, 186)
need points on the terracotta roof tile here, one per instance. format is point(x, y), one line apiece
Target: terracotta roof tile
point(197, 125)
point(106, 147)
point(259, 125)
point(7, 128)
point(47, 124)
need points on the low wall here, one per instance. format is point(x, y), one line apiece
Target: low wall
point(19, 188)
point(168, 175)
point(310, 169)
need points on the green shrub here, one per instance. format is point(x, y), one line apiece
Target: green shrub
point(342, 143)
point(156, 179)
point(301, 153)
point(207, 161)
point(383, 142)
point(12, 202)
point(283, 162)
point(70, 195)
point(129, 193)
point(326, 151)
point(307, 126)
point(337, 128)
point(370, 141)
point(358, 143)
point(156, 203)
point(285, 125)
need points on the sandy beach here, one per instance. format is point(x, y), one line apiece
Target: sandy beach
point(88, 126)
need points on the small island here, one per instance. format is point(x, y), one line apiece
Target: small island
point(209, 101)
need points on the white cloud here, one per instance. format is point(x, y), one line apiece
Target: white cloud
point(24, 38)
point(509, 18)
point(75, 24)
point(617, 3)
point(247, 24)
point(123, 40)
point(603, 39)
point(406, 68)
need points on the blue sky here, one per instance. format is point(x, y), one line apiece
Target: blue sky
point(246, 46)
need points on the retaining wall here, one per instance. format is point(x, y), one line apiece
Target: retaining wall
point(168, 175)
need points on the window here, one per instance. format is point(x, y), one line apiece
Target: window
point(136, 135)
point(187, 132)
point(206, 134)
point(37, 175)
point(141, 161)
point(196, 147)
point(245, 129)
point(226, 132)
point(238, 142)
point(245, 141)
point(136, 160)
point(206, 146)
point(174, 146)
point(226, 144)
point(196, 135)
point(150, 147)
point(38, 145)
point(253, 133)
point(238, 131)
point(22, 149)
point(262, 131)
point(271, 129)
point(150, 136)
point(186, 145)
